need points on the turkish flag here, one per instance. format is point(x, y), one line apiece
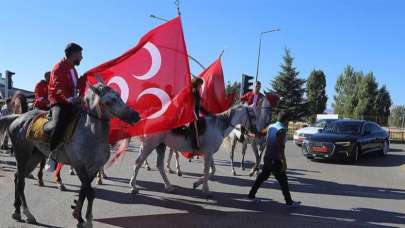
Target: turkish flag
point(273, 99)
point(213, 96)
point(153, 78)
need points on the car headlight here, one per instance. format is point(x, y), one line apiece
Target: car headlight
point(348, 143)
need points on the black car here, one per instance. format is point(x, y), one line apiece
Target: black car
point(347, 139)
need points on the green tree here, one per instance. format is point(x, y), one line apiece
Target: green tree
point(367, 94)
point(397, 117)
point(288, 86)
point(382, 107)
point(316, 93)
point(346, 92)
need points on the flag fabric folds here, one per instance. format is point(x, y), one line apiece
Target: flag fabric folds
point(153, 78)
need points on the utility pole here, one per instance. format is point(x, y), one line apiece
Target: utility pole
point(7, 82)
point(260, 46)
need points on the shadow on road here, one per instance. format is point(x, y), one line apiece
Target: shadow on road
point(372, 160)
point(258, 214)
point(298, 183)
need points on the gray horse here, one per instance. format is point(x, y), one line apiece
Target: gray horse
point(258, 143)
point(218, 127)
point(87, 151)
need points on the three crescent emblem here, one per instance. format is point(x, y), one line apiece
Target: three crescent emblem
point(156, 61)
point(162, 96)
point(122, 84)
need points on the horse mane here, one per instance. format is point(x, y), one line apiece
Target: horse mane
point(19, 103)
point(225, 117)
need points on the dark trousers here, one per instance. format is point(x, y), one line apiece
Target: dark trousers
point(274, 167)
point(61, 114)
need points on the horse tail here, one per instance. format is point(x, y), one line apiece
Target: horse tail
point(5, 122)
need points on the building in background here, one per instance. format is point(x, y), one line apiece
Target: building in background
point(12, 91)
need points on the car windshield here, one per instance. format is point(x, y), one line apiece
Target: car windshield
point(339, 127)
point(321, 123)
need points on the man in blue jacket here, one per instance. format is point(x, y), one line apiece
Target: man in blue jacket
point(274, 159)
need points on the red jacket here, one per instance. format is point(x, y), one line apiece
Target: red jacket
point(63, 83)
point(41, 96)
point(248, 97)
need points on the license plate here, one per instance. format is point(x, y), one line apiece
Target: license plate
point(320, 149)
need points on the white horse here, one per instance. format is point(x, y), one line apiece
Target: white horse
point(168, 167)
point(169, 160)
point(217, 128)
point(257, 143)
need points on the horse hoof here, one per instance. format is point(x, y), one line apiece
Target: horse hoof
point(209, 195)
point(243, 168)
point(195, 185)
point(62, 187)
point(189, 160)
point(16, 216)
point(179, 173)
point(99, 182)
point(72, 173)
point(233, 173)
point(148, 168)
point(134, 191)
point(31, 220)
point(41, 183)
point(88, 224)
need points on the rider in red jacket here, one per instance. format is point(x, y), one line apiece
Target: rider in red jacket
point(63, 93)
point(41, 93)
point(252, 98)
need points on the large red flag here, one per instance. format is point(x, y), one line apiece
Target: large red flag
point(153, 78)
point(213, 96)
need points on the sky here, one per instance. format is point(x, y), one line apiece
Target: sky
point(325, 35)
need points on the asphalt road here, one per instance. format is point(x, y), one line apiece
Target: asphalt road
point(334, 194)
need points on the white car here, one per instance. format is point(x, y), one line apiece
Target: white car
point(303, 133)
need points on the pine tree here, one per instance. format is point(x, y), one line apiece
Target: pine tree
point(383, 104)
point(346, 89)
point(316, 93)
point(288, 86)
point(367, 94)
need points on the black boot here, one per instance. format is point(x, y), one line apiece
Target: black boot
point(194, 143)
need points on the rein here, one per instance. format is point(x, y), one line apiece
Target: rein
point(229, 124)
point(87, 111)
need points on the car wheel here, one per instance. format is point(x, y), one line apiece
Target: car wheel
point(385, 149)
point(354, 154)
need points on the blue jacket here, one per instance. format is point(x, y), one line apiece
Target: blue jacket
point(271, 141)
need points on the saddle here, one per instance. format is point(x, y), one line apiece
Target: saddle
point(186, 131)
point(35, 131)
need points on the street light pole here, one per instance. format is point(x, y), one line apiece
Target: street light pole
point(260, 46)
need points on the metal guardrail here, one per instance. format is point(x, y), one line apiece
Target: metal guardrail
point(397, 135)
